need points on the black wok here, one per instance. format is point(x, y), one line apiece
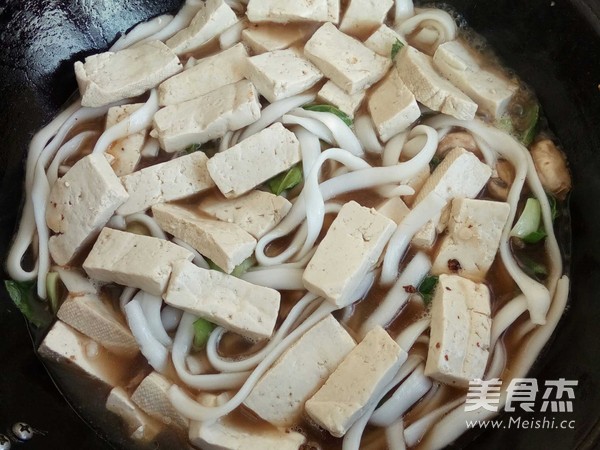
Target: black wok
point(553, 45)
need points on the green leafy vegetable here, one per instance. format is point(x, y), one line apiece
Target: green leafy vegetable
point(202, 330)
point(330, 109)
point(24, 298)
point(396, 47)
point(529, 227)
point(553, 206)
point(435, 161)
point(238, 270)
point(286, 180)
point(524, 126)
point(193, 148)
point(427, 288)
point(53, 288)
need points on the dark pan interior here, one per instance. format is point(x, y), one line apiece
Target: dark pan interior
point(553, 45)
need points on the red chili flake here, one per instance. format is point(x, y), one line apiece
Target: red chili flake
point(446, 357)
point(437, 345)
point(410, 289)
point(454, 265)
point(448, 289)
point(478, 344)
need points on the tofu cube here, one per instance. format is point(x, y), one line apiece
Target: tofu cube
point(89, 315)
point(75, 280)
point(351, 247)
point(293, 11)
point(235, 304)
point(80, 203)
point(127, 151)
point(109, 77)
point(382, 41)
point(207, 117)
point(345, 60)
point(68, 347)
point(140, 426)
point(280, 395)
point(460, 174)
point(152, 397)
point(253, 161)
point(474, 232)
point(394, 208)
point(392, 106)
point(226, 434)
point(363, 16)
point(226, 244)
point(350, 389)
point(460, 333)
point(206, 75)
point(257, 212)
point(492, 93)
point(172, 180)
point(281, 74)
point(336, 96)
point(430, 88)
point(133, 260)
point(213, 17)
point(261, 38)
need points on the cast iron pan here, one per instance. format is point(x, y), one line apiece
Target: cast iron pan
point(553, 45)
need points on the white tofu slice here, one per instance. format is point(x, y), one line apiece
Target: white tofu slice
point(206, 75)
point(244, 308)
point(89, 315)
point(253, 161)
point(109, 77)
point(76, 281)
point(257, 212)
point(334, 95)
point(382, 41)
point(152, 397)
point(70, 348)
point(474, 232)
point(261, 38)
point(430, 88)
point(345, 60)
point(351, 247)
point(213, 17)
point(394, 208)
point(280, 394)
point(229, 435)
point(133, 260)
point(281, 73)
point(226, 244)
point(363, 16)
point(460, 331)
point(392, 106)
point(208, 117)
point(349, 390)
point(172, 180)
point(491, 92)
point(460, 174)
point(80, 203)
point(286, 11)
point(139, 425)
point(127, 151)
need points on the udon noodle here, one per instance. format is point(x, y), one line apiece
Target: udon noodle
point(339, 163)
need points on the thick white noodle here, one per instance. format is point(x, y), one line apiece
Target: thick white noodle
point(198, 258)
point(397, 296)
point(151, 306)
point(405, 396)
point(126, 296)
point(250, 362)
point(415, 432)
point(506, 316)
point(310, 147)
point(191, 409)
point(312, 125)
point(117, 222)
point(138, 121)
point(68, 149)
point(181, 349)
point(232, 35)
point(393, 149)
point(181, 20)
point(148, 222)
point(407, 338)
point(236, 5)
point(225, 141)
point(497, 362)
point(438, 19)
point(141, 31)
point(394, 435)
point(156, 353)
point(170, 317)
point(342, 134)
point(403, 9)
point(365, 132)
point(275, 111)
point(151, 148)
point(430, 207)
point(275, 277)
point(538, 296)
